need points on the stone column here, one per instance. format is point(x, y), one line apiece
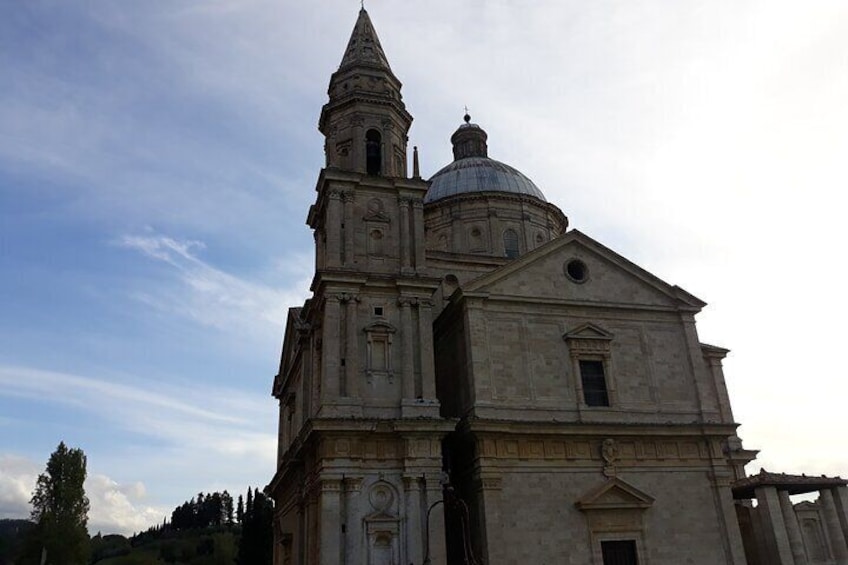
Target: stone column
point(333, 228)
point(425, 331)
point(352, 348)
point(768, 506)
point(330, 349)
point(407, 367)
point(414, 521)
point(793, 528)
point(834, 527)
point(840, 499)
point(347, 198)
point(404, 234)
point(330, 526)
point(418, 231)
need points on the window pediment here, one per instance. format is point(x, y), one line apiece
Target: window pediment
point(588, 331)
point(614, 494)
point(380, 327)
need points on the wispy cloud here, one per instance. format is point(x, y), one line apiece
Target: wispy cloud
point(216, 298)
point(225, 421)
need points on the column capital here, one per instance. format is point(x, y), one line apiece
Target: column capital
point(329, 485)
point(345, 297)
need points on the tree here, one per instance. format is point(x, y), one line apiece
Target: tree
point(257, 538)
point(60, 508)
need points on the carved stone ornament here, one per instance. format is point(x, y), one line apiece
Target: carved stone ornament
point(609, 453)
point(375, 211)
point(381, 497)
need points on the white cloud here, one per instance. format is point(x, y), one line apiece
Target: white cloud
point(115, 508)
point(17, 481)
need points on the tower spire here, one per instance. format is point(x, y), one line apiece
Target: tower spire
point(363, 48)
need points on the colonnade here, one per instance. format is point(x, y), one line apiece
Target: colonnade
point(785, 536)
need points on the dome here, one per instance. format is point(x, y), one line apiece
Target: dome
point(473, 171)
point(479, 174)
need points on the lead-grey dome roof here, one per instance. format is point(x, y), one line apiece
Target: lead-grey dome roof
point(479, 174)
point(473, 171)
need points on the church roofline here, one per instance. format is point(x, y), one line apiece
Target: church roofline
point(685, 300)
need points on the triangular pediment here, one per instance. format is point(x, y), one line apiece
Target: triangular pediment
point(614, 494)
point(609, 278)
point(588, 331)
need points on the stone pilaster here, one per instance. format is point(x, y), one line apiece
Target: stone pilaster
point(425, 331)
point(834, 527)
point(407, 367)
point(333, 228)
point(330, 350)
point(729, 521)
point(768, 507)
point(330, 526)
point(793, 529)
point(352, 376)
point(403, 203)
point(347, 199)
point(358, 147)
point(352, 530)
point(414, 522)
point(418, 231)
point(489, 495)
point(437, 540)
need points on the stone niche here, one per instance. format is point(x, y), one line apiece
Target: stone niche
point(382, 525)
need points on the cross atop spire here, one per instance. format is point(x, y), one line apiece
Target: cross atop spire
point(364, 47)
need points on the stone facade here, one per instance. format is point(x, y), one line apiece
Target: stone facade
point(471, 382)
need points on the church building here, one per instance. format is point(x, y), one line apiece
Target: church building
point(472, 382)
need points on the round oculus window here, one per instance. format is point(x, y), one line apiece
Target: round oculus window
point(576, 270)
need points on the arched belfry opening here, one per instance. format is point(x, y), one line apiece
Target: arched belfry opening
point(373, 152)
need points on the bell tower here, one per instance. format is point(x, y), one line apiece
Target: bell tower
point(360, 457)
point(365, 122)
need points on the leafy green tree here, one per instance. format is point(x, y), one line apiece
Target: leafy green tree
point(60, 509)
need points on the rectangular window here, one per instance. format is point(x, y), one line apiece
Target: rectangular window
point(619, 552)
point(594, 383)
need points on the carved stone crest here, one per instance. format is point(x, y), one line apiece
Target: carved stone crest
point(609, 453)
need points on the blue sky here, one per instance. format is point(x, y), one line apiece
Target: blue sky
point(157, 160)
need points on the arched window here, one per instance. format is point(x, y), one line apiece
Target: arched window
point(373, 152)
point(510, 244)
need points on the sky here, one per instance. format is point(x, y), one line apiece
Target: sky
point(157, 160)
